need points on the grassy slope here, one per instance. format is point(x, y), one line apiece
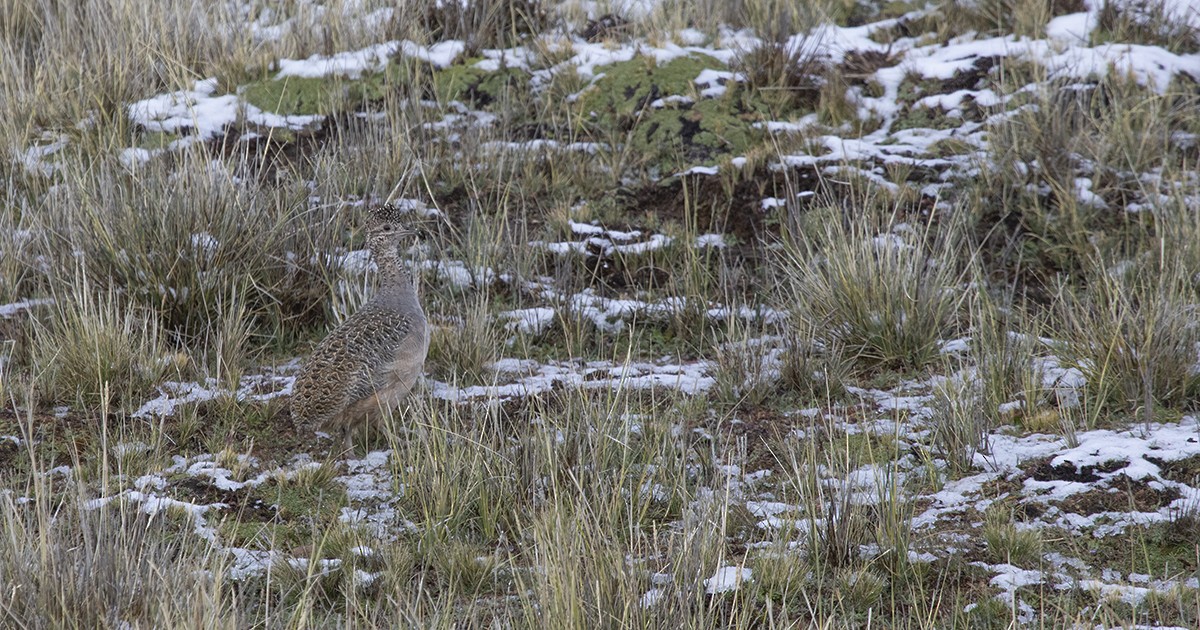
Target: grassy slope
point(899, 324)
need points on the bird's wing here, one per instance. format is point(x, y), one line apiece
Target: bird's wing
point(377, 344)
point(347, 365)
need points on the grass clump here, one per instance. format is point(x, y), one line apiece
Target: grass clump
point(1061, 169)
point(106, 567)
point(1008, 544)
point(1148, 22)
point(812, 371)
point(884, 298)
point(1005, 360)
point(485, 24)
point(960, 424)
point(745, 366)
point(1133, 333)
point(464, 349)
point(96, 351)
point(224, 248)
point(786, 75)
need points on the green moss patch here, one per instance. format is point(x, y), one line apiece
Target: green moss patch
point(155, 139)
point(305, 96)
point(283, 515)
point(475, 86)
point(463, 82)
point(622, 108)
point(296, 96)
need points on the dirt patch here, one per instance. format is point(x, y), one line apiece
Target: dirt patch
point(10, 452)
point(762, 429)
point(1185, 470)
point(608, 26)
point(58, 441)
point(712, 203)
point(998, 488)
point(1123, 495)
point(264, 430)
point(266, 155)
point(620, 272)
point(1029, 511)
point(860, 65)
point(971, 78)
point(1042, 470)
point(201, 491)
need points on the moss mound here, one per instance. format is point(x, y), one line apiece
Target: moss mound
point(663, 117)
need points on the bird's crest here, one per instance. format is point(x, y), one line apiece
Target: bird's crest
point(386, 213)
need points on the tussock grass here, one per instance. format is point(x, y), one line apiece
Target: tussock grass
point(1059, 165)
point(464, 349)
point(884, 297)
point(1134, 334)
point(816, 374)
point(773, 19)
point(571, 591)
point(1026, 18)
point(959, 423)
point(1008, 544)
point(225, 249)
point(1149, 22)
point(101, 567)
point(746, 371)
point(1004, 358)
point(487, 24)
point(787, 74)
point(97, 352)
point(229, 345)
point(73, 61)
point(19, 251)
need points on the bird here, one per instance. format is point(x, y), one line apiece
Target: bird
point(370, 362)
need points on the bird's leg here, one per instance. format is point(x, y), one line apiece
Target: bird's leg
point(347, 439)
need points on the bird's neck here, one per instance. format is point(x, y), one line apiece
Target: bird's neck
point(395, 277)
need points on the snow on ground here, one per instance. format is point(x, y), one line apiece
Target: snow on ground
point(258, 388)
point(201, 112)
point(1097, 461)
point(529, 378)
point(599, 241)
point(1100, 460)
point(13, 308)
point(727, 579)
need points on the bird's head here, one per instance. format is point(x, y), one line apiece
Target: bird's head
point(384, 226)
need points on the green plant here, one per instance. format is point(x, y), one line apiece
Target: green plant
point(884, 298)
point(1148, 22)
point(787, 75)
point(97, 351)
point(1133, 333)
point(960, 423)
point(106, 565)
point(462, 351)
point(1004, 345)
point(224, 250)
point(745, 366)
point(1008, 544)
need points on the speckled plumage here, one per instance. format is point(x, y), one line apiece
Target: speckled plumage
point(371, 361)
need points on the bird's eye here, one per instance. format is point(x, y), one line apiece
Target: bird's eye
point(386, 227)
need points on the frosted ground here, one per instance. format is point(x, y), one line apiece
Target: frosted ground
point(922, 103)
